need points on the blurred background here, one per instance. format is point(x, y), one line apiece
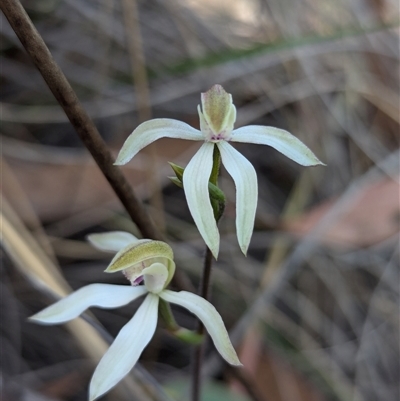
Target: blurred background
point(314, 308)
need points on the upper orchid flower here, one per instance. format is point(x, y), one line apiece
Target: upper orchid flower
point(140, 260)
point(217, 118)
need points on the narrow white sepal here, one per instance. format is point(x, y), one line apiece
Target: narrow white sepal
point(100, 295)
point(245, 178)
point(211, 319)
point(279, 139)
point(195, 183)
point(112, 241)
point(126, 349)
point(152, 130)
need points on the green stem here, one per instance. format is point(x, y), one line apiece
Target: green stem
point(216, 165)
point(188, 336)
point(166, 313)
point(213, 182)
point(198, 351)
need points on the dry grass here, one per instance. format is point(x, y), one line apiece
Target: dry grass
point(314, 307)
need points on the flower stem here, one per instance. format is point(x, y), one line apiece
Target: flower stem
point(198, 351)
point(217, 205)
point(188, 336)
point(166, 314)
point(216, 166)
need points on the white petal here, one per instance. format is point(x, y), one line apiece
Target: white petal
point(152, 130)
point(126, 349)
point(210, 318)
point(112, 241)
point(280, 140)
point(245, 178)
point(100, 295)
point(195, 183)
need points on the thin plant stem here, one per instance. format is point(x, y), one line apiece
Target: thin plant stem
point(204, 288)
point(164, 309)
point(216, 205)
point(216, 166)
point(198, 351)
point(188, 336)
point(84, 126)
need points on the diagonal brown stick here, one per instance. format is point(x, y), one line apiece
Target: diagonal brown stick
point(84, 126)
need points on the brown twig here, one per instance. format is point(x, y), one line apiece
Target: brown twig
point(84, 126)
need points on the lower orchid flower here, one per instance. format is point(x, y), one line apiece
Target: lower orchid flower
point(140, 260)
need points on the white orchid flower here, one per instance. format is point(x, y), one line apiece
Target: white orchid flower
point(217, 118)
point(140, 260)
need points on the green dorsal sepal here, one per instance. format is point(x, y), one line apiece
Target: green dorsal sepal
point(135, 257)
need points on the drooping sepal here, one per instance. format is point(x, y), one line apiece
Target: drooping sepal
point(126, 349)
point(211, 319)
point(195, 184)
point(217, 196)
point(105, 296)
point(245, 178)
